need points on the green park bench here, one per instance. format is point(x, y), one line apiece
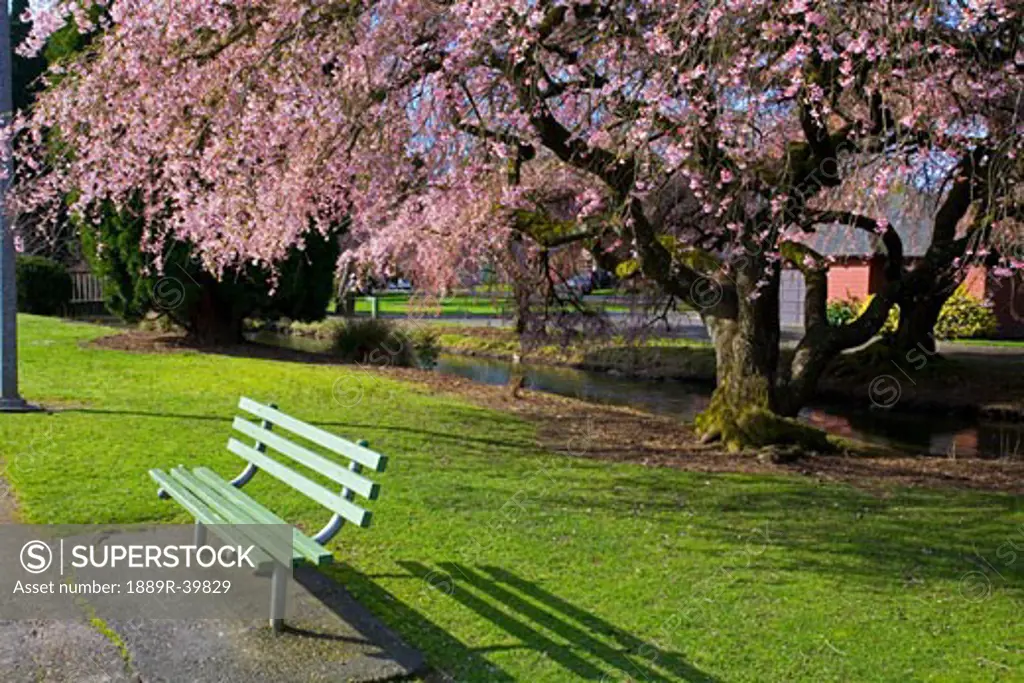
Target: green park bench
point(213, 500)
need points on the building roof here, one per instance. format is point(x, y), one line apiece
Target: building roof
point(914, 228)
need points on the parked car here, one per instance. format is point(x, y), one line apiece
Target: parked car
point(399, 285)
point(581, 284)
point(602, 279)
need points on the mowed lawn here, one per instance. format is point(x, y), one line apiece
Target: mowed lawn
point(497, 304)
point(503, 562)
point(398, 303)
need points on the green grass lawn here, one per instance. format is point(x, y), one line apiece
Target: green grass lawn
point(397, 303)
point(652, 357)
point(503, 562)
point(1006, 343)
point(496, 304)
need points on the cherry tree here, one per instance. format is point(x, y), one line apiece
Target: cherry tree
point(702, 140)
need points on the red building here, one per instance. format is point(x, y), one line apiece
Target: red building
point(858, 273)
point(858, 277)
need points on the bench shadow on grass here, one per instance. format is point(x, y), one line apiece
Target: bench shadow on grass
point(416, 627)
point(587, 645)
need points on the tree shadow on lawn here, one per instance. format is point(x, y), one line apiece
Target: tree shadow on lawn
point(368, 427)
point(511, 603)
point(833, 529)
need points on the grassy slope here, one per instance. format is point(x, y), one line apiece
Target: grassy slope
point(656, 356)
point(563, 569)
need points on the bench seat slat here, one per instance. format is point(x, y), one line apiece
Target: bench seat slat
point(218, 524)
point(360, 454)
point(313, 490)
point(234, 515)
point(310, 549)
point(186, 499)
point(230, 513)
point(344, 476)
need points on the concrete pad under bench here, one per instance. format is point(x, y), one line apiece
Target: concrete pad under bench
point(330, 639)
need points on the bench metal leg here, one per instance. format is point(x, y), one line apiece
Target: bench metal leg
point(200, 535)
point(278, 592)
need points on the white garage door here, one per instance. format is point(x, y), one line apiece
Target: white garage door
point(792, 292)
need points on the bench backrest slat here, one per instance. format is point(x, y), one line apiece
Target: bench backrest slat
point(360, 454)
point(332, 470)
point(313, 490)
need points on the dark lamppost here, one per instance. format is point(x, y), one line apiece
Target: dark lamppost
point(10, 400)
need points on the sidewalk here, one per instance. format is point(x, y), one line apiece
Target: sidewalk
point(33, 651)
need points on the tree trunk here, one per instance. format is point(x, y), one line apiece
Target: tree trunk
point(521, 295)
point(213, 322)
point(920, 309)
point(749, 406)
point(744, 384)
point(917, 324)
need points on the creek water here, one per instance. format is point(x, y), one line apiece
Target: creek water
point(946, 436)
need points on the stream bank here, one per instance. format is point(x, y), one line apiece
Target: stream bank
point(859, 409)
point(964, 381)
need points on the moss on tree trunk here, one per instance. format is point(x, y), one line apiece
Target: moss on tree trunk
point(743, 413)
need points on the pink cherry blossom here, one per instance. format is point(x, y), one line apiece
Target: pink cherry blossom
point(237, 125)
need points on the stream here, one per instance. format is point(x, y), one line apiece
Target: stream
point(945, 436)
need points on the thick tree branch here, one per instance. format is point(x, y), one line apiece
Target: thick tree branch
point(970, 182)
point(525, 151)
point(890, 238)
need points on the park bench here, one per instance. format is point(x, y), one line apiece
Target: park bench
point(213, 500)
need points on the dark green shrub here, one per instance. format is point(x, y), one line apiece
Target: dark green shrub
point(210, 309)
point(26, 71)
point(373, 342)
point(426, 345)
point(44, 286)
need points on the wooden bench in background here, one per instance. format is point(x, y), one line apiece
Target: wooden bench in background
point(213, 500)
